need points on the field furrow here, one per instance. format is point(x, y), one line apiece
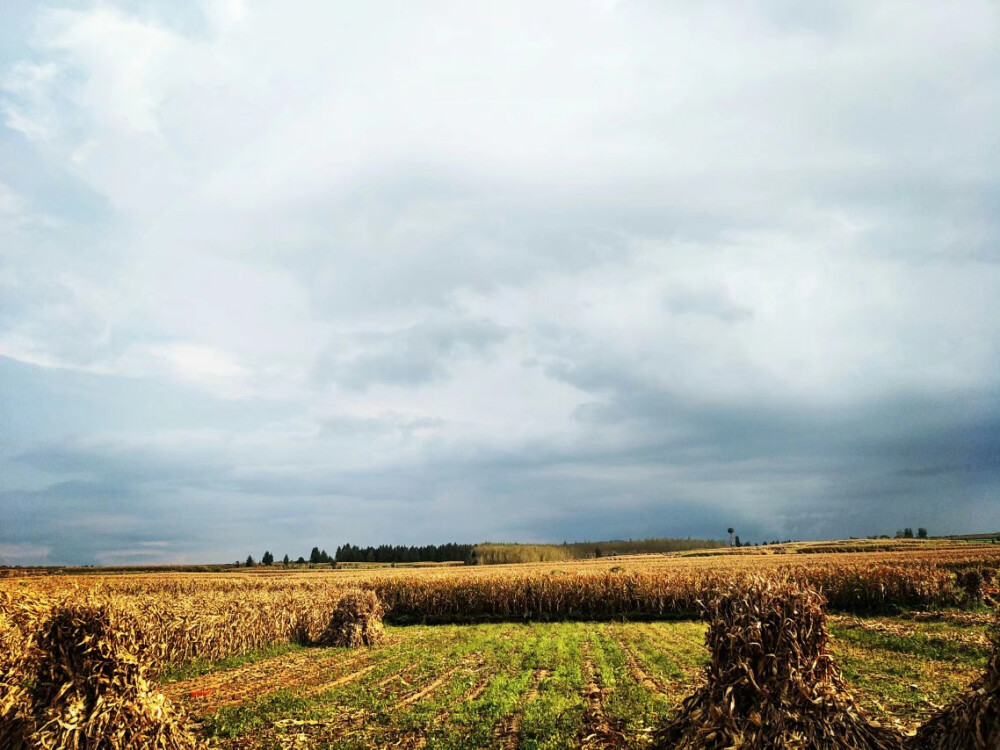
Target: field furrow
point(509, 731)
point(232, 687)
point(598, 730)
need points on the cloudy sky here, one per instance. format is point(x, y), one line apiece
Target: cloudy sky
point(276, 275)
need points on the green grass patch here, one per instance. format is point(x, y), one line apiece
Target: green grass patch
point(198, 667)
point(629, 704)
point(512, 684)
point(924, 645)
point(238, 720)
point(554, 717)
point(666, 650)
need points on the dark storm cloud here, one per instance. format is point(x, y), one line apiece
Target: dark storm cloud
point(919, 430)
point(688, 469)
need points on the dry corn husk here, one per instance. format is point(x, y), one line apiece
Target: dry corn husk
point(356, 621)
point(971, 721)
point(15, 700)
point(772, 683)
point(90, 687)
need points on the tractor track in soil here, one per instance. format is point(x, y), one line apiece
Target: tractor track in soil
point(307, 672)
point(693, 673)
point(414, 741)
point(637, 672)
point(319, 732)
point(597, 731)
point(509, 731)
point(231, 687)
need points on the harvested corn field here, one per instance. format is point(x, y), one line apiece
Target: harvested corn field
point(592, 654)
point(508, 685)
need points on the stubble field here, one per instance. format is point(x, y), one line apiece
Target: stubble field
point(547, 685)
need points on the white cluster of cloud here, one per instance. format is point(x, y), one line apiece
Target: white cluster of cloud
point(409, 273)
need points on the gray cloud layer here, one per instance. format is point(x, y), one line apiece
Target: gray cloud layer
point(538, 272)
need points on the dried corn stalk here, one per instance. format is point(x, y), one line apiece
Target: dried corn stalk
point(356, 621)
point(772, 682)
point(91, 688)
point(15, 700)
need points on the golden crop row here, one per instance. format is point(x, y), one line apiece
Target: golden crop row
point(178, 629)
point(641, 594)
point(186, 616)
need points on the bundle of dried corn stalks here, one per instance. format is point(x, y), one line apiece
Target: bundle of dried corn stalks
point(15, 700)
point(88, 673)
point(772, 682)
point(356, 621)
point(972, 721)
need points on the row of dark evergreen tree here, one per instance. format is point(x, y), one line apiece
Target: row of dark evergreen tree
point(387, 553)
point(384, 553)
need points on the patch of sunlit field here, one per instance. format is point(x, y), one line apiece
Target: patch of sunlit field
point(542, 685)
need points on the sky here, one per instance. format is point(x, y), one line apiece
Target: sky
point(282, 275)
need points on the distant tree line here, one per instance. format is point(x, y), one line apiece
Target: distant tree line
point(317, 556)
point(487, 553)
point(906, 533)
point(387, 553)
point(384, 553)
point(320, 557)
